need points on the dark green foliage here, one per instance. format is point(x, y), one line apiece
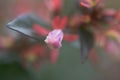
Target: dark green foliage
point(86, 43)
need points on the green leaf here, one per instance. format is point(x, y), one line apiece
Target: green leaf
point(70, 7)
point(14, 71)
point(24, 24)
point(86, 42)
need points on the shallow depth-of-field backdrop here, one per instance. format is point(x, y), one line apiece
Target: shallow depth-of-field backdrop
point(68, 65)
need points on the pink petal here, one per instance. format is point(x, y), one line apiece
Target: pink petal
point(85, 5)
point(112, 47)
point(54, 38)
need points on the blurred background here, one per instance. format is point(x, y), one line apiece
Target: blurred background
point(18, 61)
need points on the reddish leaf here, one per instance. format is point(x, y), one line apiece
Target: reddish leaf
point(40, 30)
point(23, 6)
point(54, 5)
point(63, 23)
point(55, 23)
point(59, 23)
point(93, 57)
point(54, 56)
point(70, 37)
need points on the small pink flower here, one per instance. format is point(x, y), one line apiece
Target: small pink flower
point(55, 38)
point(89, 3)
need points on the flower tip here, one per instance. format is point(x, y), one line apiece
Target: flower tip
point(46, 41)
point(54, 38)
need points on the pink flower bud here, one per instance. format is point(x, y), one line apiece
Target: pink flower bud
point(55, 38)
point(89, 3)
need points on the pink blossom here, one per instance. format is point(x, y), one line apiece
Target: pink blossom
point(89, 3)
point(55, 38)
